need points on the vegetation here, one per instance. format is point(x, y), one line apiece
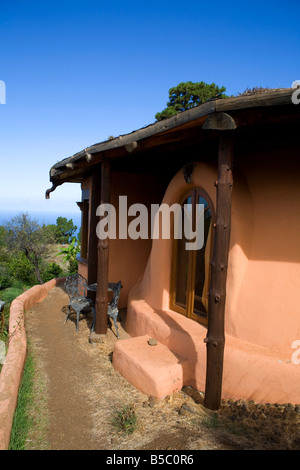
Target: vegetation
point(22, 421)
point(24, 248)
point(69, 253)
point(24, 262)
point(64, 230)
point(124, 420)
point(31, 420)
point(24, 236)
point(187, 95)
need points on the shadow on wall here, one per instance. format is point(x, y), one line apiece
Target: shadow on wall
point(272, 180)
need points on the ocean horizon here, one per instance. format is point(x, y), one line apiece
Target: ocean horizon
point(42, 217)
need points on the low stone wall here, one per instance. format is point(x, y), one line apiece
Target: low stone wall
point(12, 370)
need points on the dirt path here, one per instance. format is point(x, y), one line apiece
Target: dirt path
point(78, 393)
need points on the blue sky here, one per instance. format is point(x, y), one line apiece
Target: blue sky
point(77, 72)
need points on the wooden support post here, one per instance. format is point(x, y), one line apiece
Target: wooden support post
point(215, 339)
point(95, 198)
point(103, 252)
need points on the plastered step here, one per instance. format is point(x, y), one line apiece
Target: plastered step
point(154, 370)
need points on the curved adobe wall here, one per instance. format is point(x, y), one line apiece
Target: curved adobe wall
point(263, 282)
point(11, 373)
point(157, 277)
point(264, 310)
point(257, 363)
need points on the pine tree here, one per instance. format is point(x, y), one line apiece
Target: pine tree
point(186, 95)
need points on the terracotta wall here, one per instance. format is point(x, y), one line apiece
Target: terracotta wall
point(83, 269)
point(263, 282)
point(128, 258)
point(263, 287)
point(264, 273)
point(155, 285)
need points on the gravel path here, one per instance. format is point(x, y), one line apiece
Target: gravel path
point(78, 393)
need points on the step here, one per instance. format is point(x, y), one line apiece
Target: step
point(154, 370)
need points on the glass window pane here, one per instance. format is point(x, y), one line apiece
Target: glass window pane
point(182, 275)
point(188, 203)
point(182, 264)
point(203, 265)
point(192, 268)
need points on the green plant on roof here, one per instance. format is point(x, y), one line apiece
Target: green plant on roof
point(187, 95)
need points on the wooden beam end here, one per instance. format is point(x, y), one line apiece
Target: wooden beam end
point(219, 122)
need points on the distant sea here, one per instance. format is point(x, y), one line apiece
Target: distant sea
point(42, 217)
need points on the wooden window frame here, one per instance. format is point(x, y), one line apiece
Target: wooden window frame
point(85, 229)
point(192, 258)
point(84, 207)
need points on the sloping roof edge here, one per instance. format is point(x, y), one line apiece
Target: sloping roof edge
point(272, 98)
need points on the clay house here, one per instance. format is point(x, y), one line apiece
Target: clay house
point(226, 317)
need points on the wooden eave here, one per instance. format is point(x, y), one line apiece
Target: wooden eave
point(246, 110)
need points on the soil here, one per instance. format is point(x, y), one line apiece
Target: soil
point(78, 394)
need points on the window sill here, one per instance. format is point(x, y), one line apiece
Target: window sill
point(80, 259)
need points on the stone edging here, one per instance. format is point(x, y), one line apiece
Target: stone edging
point(12, 370)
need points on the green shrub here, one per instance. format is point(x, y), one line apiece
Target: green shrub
point(5, 276)
point(9, 294)
point(21, 269)
point(51, 271)
point(69, 255)
point(73, 267)
point(125, 420)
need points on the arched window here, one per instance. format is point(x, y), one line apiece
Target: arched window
point(190, 275)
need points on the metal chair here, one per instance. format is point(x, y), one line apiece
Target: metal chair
point(76, 286)
point(112, 309)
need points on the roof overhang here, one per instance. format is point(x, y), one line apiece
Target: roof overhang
point(228, 112)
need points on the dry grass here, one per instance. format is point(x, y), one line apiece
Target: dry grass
point(178, 422)
point(258, 91)
point(181, 422)
point(51, 256)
